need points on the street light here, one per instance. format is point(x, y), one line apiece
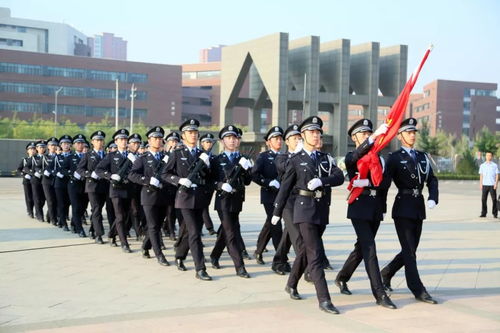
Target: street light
point(55, 111)
point(132, 97)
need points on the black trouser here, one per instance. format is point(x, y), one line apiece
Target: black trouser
point(171, 214)
point(76, 197)
point(230, 222)
point(193, 222)
point(134, 218)
point(484, 198)
point(311, 256)
point(291, 237)
point(62, 198)
point(364, 249)
point(110, 214)
point(50, 196)
point(28, 198)
point(409, 232)
point(97, 201)
point(269, 231)
point(38, 197)
point(220, 242)
point(154, 217)
point(121, 208)
point(207, 220)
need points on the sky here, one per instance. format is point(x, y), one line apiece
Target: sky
point(465, 34)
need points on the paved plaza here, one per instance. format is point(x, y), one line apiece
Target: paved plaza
point(53, 281)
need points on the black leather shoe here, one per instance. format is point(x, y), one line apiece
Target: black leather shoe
point(294, 294)
point(163, 247)
point(82, 234)
point(307, 277)
point(328, 307)
point(245, 255)
point(425, 297)
point(482, 215)
point(180, 265)
point(92, 234)
point(163, 261)
point(65, 228)
point(386, 302)
point(215, 263)
point(265, 250)
point(99, 240)
point(126, 249)
point(112, 242)
point(386, 283)
point(202, 275)
point(242, 272)
point(212, 232)
point(145, 254)
point(258, 258)
point(277, 268)
point(287, 268)
point(343, 287)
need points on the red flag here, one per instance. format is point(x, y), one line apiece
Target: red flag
point(371, 162)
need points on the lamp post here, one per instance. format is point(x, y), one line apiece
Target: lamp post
point(55, 111)
point(132, 97)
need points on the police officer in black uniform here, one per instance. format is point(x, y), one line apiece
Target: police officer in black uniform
point(76, 184)
point(291, 234)
point(115, 168)
point(146, 172)
point(206, 143)
point(36, 173)
point(410, 170)
point(307, 174)
point(48, 179)
point(95, 187)
point(232, 172)
point(365, 212)
point(61, 182)
point(191, 196)
point(134, 220)
point(23, 169)
point(264, 173)
point(172, 141)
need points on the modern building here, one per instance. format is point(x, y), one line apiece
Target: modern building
point(457, 107)
point(108, 46)
point(293, 79)
point(212, 54)
point(20, 34)
point(29, 81)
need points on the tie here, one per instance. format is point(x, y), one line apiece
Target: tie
point(313, 156)
point(231, 157)
point(193, 152)
point(413, 156)
point(157, 156)
point(124, 154)
point(101, 155)
point(80, 155)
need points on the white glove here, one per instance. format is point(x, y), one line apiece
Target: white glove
point(431, 204)
point(227, 187)
point(77, 175)
point(46, 173)
point(37, 174)
point(185, 182)
point(165, 158)
point(245, 164)
point(60, 175)
point(299, 147)
point(154, 181)
point(94, 175)
point(28, 177)
point(360, 182)
point(382, 129)
point(205, 158)
point(275, 183)
point(314, 184)
point(131, 157)
point(275, 220)
point(116, 177)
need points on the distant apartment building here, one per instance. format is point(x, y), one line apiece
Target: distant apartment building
point(211, 54)
point(108, 46)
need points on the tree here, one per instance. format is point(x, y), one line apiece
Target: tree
point(467, 164)
point(486, 141)
point(427, 143)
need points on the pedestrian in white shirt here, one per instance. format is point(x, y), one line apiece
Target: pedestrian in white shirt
point(488, 179)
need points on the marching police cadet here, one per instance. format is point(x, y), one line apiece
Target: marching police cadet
point(115, 168)
point(134, 142)
point(184, 169)
point(410, 170)
point(241, 243)
point(146, 172)
point(264, 173)
point(23, 169)
point(291, 234)
point(365, 212)
point(36, 173)
point(76, 185)
point(61, 181)
point(206, 142)
point(95, 187)
point(110, 212)
point(307, 174)
point(48, 179)
point(230, 184)
point(172, 141)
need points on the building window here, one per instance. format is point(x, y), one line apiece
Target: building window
point(11, 42)
point(427, 93)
